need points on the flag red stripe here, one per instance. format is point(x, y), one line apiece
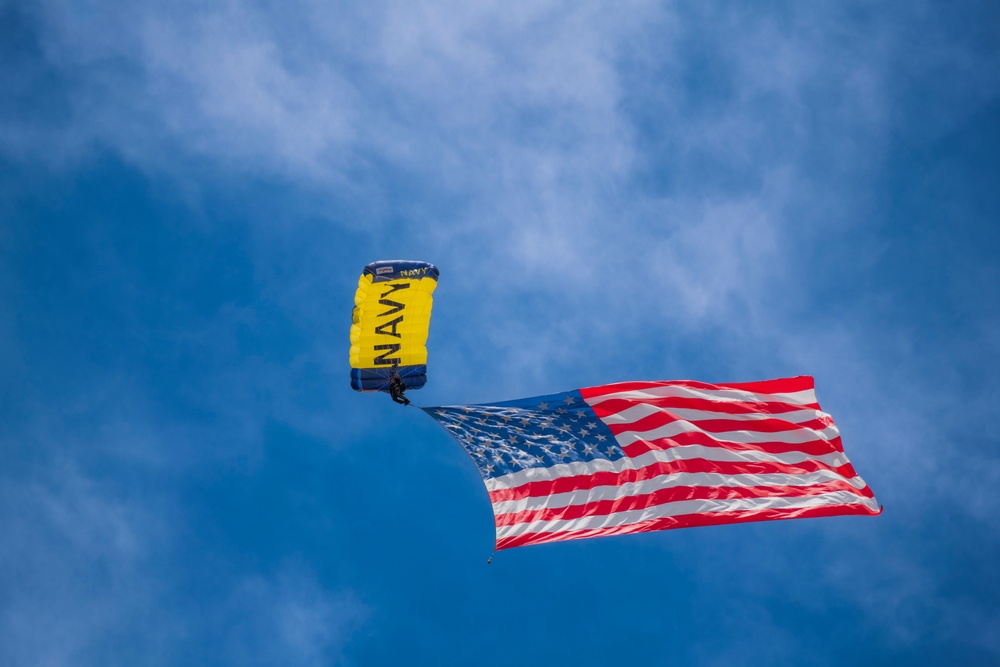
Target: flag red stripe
point(776, 386)
point(661, 444)
point(779, 386)
point(613, 406)
point(689, 521)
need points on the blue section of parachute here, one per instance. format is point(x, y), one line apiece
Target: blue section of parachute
point(377, 379)
point(392, 269)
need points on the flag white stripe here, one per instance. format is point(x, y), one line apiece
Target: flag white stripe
point(747, 436)
point(693, 452)
point(643, 410)
point(684, 507)
point(547, 474)
point(683, 479)
point(684, 453)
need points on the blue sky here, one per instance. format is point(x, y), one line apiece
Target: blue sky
point(612, 191)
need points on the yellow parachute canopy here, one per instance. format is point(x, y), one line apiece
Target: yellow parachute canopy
point(392, 313)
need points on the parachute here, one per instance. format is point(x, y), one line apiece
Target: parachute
point(392, 313)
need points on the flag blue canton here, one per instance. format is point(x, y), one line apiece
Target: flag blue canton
point(537, 432)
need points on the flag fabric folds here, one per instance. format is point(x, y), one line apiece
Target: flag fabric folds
point(640, 456)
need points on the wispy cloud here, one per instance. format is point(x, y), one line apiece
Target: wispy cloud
point(76, 559)
point(96, 568)
point(288, 619)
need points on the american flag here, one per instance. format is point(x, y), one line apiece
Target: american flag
point(640, 456)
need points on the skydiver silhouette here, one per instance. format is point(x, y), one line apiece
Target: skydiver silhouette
point(396, 389)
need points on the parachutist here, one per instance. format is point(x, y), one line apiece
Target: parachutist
point(396, 389)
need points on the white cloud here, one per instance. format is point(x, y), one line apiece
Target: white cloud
point(522, 112)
